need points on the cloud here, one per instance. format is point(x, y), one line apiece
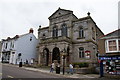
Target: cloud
point(18, 16)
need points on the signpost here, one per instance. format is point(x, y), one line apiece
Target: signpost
point(87, 54)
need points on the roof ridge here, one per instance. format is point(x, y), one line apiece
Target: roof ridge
point(58, 10)
point(23, 34)
point(112, 32)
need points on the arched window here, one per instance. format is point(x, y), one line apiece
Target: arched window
point(81, 33)
point(93, 33)
point(55, 31)
point(64, 30)
point(81, 52)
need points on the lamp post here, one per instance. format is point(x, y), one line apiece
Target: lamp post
point(64, 55)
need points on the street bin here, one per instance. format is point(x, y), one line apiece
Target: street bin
point(20, 64)
point(57, 70)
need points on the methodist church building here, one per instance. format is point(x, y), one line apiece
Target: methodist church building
point(74, 39)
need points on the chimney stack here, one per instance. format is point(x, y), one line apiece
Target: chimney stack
point(31, 30)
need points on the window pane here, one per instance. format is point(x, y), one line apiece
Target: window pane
point(93, 33)
point(110, 48)
point(112, 42)
point(81, 52)
point(81, 33)
point(80, 55)
point(55, 32)
point(64, 30)
point(119, 44)
point(112, 45)
point(114, 48)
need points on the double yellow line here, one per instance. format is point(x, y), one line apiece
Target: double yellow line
point(7, 76)
point(10, 76)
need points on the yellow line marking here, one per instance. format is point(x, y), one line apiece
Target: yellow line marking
point(10, 76)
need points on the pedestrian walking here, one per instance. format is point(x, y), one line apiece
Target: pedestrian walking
point(71, 68)
point(52, 67)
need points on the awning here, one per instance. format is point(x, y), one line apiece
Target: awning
point(109, 57)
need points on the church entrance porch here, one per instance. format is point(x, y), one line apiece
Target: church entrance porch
point(56, 55)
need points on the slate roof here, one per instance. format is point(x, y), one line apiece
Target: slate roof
point(114, 34)
point(15, 37)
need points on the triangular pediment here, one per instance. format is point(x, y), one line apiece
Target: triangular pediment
point(60, 12)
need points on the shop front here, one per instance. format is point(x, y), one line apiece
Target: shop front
point(111, 64)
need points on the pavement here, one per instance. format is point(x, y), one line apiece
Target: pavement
point(66, 75)
point(45, 70)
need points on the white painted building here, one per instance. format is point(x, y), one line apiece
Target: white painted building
point(112, 43)
point(19, 48)
point(0, 50)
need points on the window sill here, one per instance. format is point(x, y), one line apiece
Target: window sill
point(55, 37)
point(112, 51)
point(81, 38)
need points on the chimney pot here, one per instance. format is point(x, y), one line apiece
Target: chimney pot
point(31, 30)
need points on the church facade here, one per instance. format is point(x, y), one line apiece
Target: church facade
point(67, 36)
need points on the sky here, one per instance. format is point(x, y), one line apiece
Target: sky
point(18, 16)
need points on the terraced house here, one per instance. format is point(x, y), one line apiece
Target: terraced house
point(70, 38)
point(20, 48)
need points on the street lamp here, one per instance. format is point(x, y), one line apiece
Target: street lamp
point(64, 55)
